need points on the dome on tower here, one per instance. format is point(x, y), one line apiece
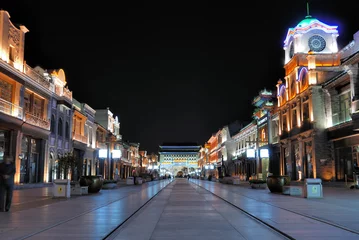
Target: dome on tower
point(308, 20)
point(309, 23)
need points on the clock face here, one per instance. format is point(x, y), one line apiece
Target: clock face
point(316, 43)
point(291, 50)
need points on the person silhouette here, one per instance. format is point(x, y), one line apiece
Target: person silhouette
point(7, 172)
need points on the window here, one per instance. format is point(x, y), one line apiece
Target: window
point(306, 111)
point(12, 54)
point(293, 87)
point(344, 107)
point(34, 104)
point(294, 117)
point(27, 101)
point(284, 123)
point(67, 130)
point(304, 80)
point(263, 134)
point(90, 135)
point(53, 124)
point(59, 128)
point(38, 107)
point(5, 90)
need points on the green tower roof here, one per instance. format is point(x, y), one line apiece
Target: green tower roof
point(307, 21)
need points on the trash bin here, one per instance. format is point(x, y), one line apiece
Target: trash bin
point(61, 188)
point(313, 188)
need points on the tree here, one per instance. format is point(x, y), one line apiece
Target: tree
point(69, 162)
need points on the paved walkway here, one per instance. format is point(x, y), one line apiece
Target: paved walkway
point(184, 211)
point(296, 215)
point(83, 217)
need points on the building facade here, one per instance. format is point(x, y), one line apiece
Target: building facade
point(60, 140)
point(173, 157)
point(311, 59)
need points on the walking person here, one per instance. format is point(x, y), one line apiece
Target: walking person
point(7, 172)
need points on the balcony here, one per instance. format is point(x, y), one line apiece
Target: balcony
point(37, 77)
point(36, 121)
point(11, 109)
point(79, 138)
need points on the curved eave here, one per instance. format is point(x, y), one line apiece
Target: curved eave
point(314, 25)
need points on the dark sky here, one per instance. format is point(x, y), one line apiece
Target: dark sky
point(175, 71)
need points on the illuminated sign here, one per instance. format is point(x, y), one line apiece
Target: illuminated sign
point(251, 153)
point(261, 121)
point(116, 154)
point(102, 153)
point(264, 153)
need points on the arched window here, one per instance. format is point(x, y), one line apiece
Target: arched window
point(53, 124)
point(304, 79)
point(59, 128)
point(67, 130)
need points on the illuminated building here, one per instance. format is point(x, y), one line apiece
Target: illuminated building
point(27, 98)
point(263, 104)
point(60, 140)
point(175, 156)
point(108, 132)
point(245, 148)
point(311, 59)
point(342, 96)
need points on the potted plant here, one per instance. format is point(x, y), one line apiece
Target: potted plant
point(258, 183)
point(277, 182)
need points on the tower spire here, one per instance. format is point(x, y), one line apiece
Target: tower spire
point(308, 15)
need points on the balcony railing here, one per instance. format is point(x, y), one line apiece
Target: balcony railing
point(79, 137)
point(36, 77)
point(33, 120)
point(11, 109)
point(67, 94)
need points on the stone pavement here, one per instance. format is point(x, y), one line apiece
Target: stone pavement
point(297, 216)
point(82, 217)
point(184, 211)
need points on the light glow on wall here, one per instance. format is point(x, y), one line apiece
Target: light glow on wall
point(312, 78)
point(264, 153)
point(116, 153)
point(251, 153)
point(102, 153)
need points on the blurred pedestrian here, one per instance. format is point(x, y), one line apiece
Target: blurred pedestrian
point(7, 172)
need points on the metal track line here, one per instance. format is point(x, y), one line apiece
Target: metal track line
point(108, 236)
point(250, 215)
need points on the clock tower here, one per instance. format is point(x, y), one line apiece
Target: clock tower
point(310, 35)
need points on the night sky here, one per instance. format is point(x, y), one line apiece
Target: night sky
point(173, 72)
